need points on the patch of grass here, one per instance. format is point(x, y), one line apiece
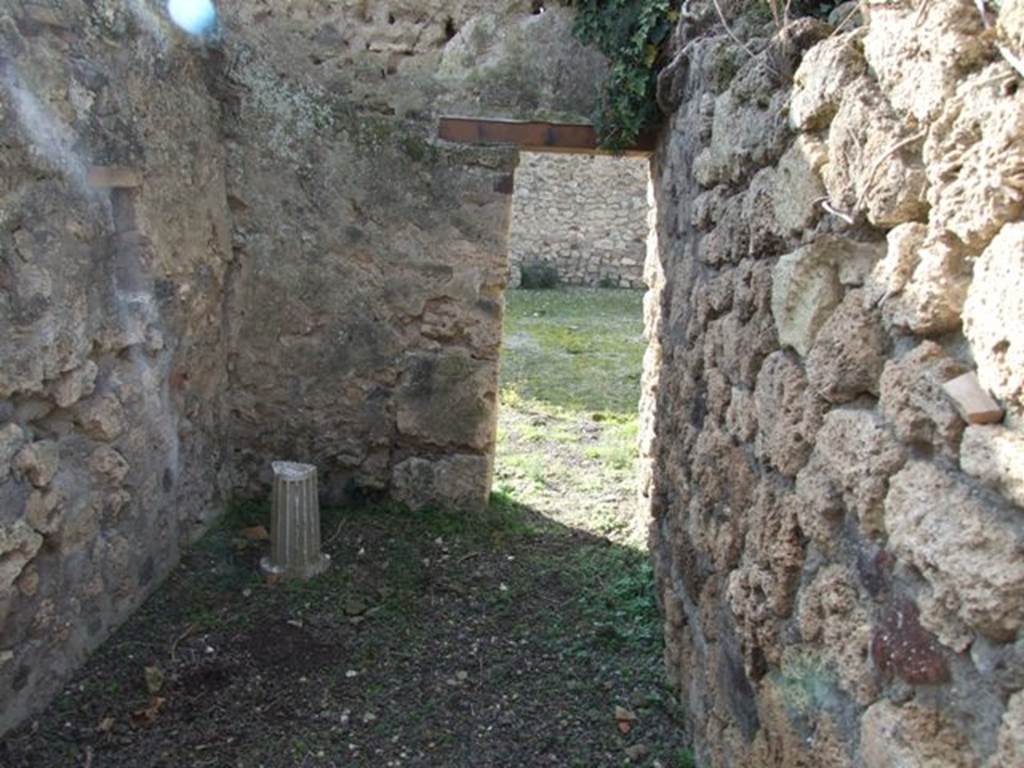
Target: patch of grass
point(244, 513)
point(617, 446)
point(578, 349)
point(534, 466)
point(617, 595)
point(204, 617)
point(568, 422)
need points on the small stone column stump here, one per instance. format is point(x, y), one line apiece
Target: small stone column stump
point(294, 524)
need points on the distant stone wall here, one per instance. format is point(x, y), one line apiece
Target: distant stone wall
point(586, 215)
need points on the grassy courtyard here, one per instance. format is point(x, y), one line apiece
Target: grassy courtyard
point(570, 386)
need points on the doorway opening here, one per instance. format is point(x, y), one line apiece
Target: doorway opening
point(574, 341)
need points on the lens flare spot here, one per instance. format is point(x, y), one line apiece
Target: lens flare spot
point(196, 17)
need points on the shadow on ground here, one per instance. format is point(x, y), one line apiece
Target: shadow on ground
point(434, 640)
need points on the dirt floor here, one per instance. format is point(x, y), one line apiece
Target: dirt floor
point(525, 637)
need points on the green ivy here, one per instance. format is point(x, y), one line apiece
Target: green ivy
point(632, 34)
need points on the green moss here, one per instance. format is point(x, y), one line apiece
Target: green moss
point(454, 368)
point(759, 12)
point(725, 65)
point(806, 683)
point(511, 81)
point(388, 138)
point(415, 149)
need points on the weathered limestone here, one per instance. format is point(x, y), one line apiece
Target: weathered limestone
point(450, 482)
point(788, 414)
point(12, 437)
point(930, 516)
point(37, 462)
point(854, 456)
point(825, 73)
point(974, 176)
point(914, 403)
point(849, 352)
point(911, 737)
point(1011, 735)
point(930, 299)
point(18, 545)
point(295, 524)
point(796, 187)
point(865, 174)
point(75, 385)
point(995, 455)
point(832, 617)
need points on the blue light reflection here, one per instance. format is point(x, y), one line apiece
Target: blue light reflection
point(197, 17)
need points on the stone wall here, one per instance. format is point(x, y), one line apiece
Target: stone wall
point(112, 342)
point(302, 271)
point(295, 268)
point(840, 554)
point(372, 261)
point(585, 215)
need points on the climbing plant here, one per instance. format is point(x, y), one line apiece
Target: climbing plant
point(632, 34)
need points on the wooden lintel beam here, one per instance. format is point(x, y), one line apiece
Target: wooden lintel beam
point(533, 136)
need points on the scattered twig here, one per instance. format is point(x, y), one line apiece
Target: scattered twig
point(886, 296)
point(143, 643)
point(870, 180)
point(1002, 76)
point(984, 16)
point(729, 32)
point(846, 18)
point(334, 536)
point(468, 557)
point(189, 629)
point(920, 12)
point(827, 205)
point(1011, 58)
point(678, 57)
point(270, 705)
